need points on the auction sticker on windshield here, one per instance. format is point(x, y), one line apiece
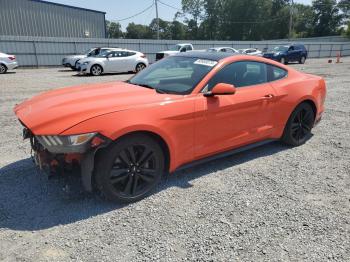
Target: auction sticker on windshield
point(205, 62)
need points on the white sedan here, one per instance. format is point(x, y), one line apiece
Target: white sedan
point(223, 49)
point(7, 62)
point(251, 51)
point(113, 61)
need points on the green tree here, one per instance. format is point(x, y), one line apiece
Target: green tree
point(211, 19)
point(178, 30)
point(327, 17)
point(303, 20)
point(113, 29)
point(344, 6)
point(137, 31)
point(194, 8)
point(164, 29)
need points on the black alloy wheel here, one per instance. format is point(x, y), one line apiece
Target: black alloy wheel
point(130, 168)
point(299, 125)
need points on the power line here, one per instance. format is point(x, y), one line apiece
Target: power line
point(171, 6)
point(139, 13)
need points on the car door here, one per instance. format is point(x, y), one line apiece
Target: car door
point(228, 121)
point(129, 60)
point(292, 54)
point(115, 62)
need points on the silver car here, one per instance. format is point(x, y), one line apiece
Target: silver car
point(7, 62)
point(113, 61)
point(223, 49)
point(71, 61)
point(250, 51)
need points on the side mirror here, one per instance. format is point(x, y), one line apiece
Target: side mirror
point(183, 49)
point(221, 89)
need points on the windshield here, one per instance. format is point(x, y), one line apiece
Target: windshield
point(86, 52)
point(175, 48)
point(174, 75)
point(212, 50)
point(103, 53)
point(280, 48)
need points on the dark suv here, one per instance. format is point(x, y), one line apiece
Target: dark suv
point(288, 53)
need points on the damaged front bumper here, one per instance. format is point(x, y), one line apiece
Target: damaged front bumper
point(56, 156)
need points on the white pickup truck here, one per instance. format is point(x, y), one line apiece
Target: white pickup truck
point(174, 50)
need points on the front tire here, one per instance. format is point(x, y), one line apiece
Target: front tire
point(299, 125)
point(75, 67)
point(96, 70)
point(283, 61)
point(3, 69)
point(302, 60)
point(130, 168)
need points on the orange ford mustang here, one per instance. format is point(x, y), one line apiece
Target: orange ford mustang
point(183, 109)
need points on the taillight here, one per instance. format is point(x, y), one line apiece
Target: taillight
point(12, 58)
point(143, 55)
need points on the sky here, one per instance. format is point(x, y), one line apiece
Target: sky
point(120, 9)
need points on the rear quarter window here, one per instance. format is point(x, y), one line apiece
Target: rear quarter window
point(276, 73)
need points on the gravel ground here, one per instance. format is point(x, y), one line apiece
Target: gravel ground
point(272, 203)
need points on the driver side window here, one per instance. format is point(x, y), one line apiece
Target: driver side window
point(240, 74)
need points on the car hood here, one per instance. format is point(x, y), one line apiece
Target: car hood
point(75, 57)
point(89, 59)
point(56, 111)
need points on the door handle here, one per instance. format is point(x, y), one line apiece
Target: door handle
point(268, 96)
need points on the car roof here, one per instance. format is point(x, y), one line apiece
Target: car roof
point(216, 56)
point(219, 47)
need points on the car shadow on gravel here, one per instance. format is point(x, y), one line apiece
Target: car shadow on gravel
point(30, 201)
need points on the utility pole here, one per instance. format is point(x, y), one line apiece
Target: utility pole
point(290, 20)
point(157, 17)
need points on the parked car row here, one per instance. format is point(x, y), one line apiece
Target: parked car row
point(99, 60)
point(283, 54)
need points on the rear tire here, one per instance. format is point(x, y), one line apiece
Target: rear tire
point(299, 125)
point(302, 60)
point(139, 67)
point(3, 69)
point(96, 70)
point(130, 168)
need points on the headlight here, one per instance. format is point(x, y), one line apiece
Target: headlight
point(85, 63)
point(66, 144)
